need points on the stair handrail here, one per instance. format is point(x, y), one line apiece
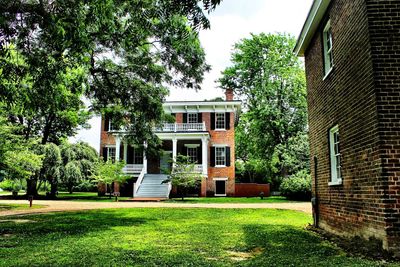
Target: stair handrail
point(138, 182)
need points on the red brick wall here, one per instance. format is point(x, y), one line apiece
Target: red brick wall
point(251, 190)
point(348, 97)
point(384, 30)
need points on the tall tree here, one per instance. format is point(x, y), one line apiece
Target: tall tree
point(121, 53)
point(271, 81)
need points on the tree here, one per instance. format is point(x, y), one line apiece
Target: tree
point(51, 168)
point(183, 176)
point(83, 156)
point(109, 172)
point(120, 54)
point(72, 175)
point(271, 81)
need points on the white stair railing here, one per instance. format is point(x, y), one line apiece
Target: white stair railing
point(138, 182)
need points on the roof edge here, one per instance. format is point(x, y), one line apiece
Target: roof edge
point(314, 17)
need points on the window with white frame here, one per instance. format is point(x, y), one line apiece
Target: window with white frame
point(192, 117)
point(220, 121)
point(334, 143)
point(111, 153)
point(220, 155)
point(111, 126)
point(192, 154)
point(327, 46)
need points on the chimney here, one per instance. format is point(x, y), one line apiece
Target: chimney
point(229, 94)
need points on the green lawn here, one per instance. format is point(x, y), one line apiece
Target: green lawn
point(168, 237)
point(274, 199)
point(86, 196)
point(4, 207)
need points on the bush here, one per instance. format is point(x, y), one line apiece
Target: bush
point(85, 186)
point(13, 185)
point(7, 185)
point(297, 186)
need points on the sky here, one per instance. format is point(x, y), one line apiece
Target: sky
point(231, 21)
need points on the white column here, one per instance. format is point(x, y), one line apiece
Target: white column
point(174, 148)
point(125, 152)
point(144, 157)
point(117, 147)
point(204, 147)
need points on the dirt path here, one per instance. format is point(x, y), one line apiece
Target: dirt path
point(58, 205)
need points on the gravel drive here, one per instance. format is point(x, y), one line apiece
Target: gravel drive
point(59, 205)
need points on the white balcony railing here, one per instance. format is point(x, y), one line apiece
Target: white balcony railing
point(181, 127)
point(132, 168)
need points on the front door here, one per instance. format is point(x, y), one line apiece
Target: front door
point(166, 162)
point(220, 186)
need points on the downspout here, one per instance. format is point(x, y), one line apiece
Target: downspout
point(314, 199)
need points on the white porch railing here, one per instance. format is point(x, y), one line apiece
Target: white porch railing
point(181, 127)
point(132, 168)
point(198, 168)
point(138, 182)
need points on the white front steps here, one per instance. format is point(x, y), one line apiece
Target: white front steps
point(153, 187)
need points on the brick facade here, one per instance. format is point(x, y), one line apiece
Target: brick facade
point(361, 95)
point(216, 137)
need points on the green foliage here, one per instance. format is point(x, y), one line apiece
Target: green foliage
point(72, 175)
point(297, 186)
point(85, 186)
point(22, 164)
point(252, 171)
point(51, 163)
point(119, 54)
point(270, 79)
point(183, 175)
point(109, 172)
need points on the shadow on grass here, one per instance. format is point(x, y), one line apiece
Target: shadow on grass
point(284, 245)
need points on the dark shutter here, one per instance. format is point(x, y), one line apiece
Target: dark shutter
point(228, 156)
point(199, 155)
point(184, 117)
point(105, 153)
point(199, 117)
point(212, 119)
point(227, 120)
point(212, 156)
point(130, 155)
point(106, 123)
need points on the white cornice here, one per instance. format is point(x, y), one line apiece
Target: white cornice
point(311, 24)
point(202, 106)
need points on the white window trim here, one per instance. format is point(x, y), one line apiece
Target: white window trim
point(192, 113)
point(215, 156)
point(215, 185)
point(334, 179)
point(326, 52)
point(220, 129)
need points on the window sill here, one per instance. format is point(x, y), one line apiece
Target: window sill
point(338, 182)
point(220, 166)
point(220, 130)
point(220, 195)
point(327, 74)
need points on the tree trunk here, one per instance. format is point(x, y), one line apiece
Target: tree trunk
point(53, 190)
point(31, 187)
point(70, 188)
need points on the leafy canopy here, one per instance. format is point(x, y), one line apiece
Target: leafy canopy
point(270, 79)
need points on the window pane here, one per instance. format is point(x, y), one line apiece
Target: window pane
point(192, 117)
point(220, 156)
point(192, 154)
point(219, 120)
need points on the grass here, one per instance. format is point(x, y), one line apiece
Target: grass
point(273, 199)
point(169, 237)
point(4, 207)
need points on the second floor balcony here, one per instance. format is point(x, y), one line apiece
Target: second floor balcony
point(182, 127)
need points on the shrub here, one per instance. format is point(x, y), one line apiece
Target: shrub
point(297, 186)
point(85, 186)
point(7, 185)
